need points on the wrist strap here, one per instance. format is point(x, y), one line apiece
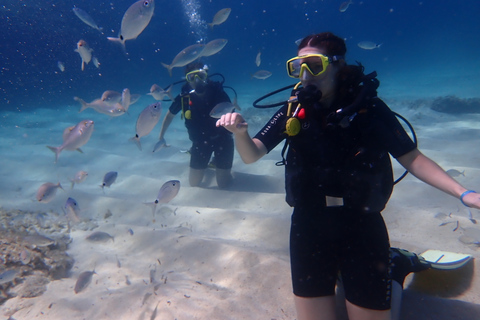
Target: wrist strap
point(463, 195)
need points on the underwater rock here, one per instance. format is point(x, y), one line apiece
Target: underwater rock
point(455, 105)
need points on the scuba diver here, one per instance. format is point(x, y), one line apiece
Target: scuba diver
point(199, 95)
point(338, 179)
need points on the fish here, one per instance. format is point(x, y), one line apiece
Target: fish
point(76, 137)
point(100, 236)
point(126, 99)
point(111, 96)
point(455, 173)
point(258, 59)
point(83, 280)
point(61, 66)
point(213, 47)
point(8, 276)
point(158, 93)
point(147, 120)
point(220, 17)
point(85, 52)
point(47, 191)
point(261, 74)
point(344, 6)
point(185, 56)
point(368, 45)
point(222, 108)
point(112, 110)
point(37, 240)
point(79, 177)
point(108, 179)
point(167, 192)
point(134, 21)
point(71, 210)
point(86, 18)
point(95, 62)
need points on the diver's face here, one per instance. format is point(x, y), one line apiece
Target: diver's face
point(325, 81)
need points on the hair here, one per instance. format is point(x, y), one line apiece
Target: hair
point(197, 65)
point(332, 44)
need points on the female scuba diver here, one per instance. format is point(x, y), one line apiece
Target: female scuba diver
point(338, 178)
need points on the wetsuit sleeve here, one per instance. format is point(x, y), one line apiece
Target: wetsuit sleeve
point(274, 130)
point(390, 132)
point(176, 105)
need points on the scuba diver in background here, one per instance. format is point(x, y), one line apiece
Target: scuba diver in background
point(197, 98)
point(338, 178)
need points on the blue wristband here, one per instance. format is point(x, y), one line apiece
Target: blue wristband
point(464, 194)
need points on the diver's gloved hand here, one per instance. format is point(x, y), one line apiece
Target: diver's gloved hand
point(309, 95)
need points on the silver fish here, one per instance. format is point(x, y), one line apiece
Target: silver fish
point(112, 110)
point(85, 52)
point(258, 59)
point(126, 99)
point(37, 240)
point(146, 121)
point(47, 191)
point(96, 63)
point(8, 276)
point(213, 47)
point(134, 21)
point(262, 74)
point(61, 66)
point(455, 173)
point(159, 94)
point(185, 56)
point(86, 18)
point(79, 177)
point(111, 96)
point(167, 192)
point(220, 17)
point(83, 280)
point(75, 138)
point(109, 179)
point(221, 109)
point(368, 45)
point(71, 210)
point(100, 236)
point(344, 6)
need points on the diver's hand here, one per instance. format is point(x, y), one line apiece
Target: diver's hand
point(162, 143)
point(233, 122)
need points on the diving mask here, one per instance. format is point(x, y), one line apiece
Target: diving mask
point(200, 74)
point(316, 64)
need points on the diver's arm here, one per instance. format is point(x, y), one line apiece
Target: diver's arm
point(166, 123)
point(250, 150)
point(431, 173)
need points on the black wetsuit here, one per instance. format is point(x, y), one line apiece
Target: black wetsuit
point(206, 137)
point(351, 163)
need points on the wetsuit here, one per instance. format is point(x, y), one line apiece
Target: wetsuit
point(205, 136)
point(351, 164)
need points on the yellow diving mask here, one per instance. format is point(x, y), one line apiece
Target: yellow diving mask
point(201, 74)
point(316, 64)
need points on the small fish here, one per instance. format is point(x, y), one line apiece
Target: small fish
point(96, 63)
point(368, 45)
point(74, 137)
point(47, 191)
point(455, 173)
point(126, 99)
point(100, 236)
point(8, 276)
point(152, 275)
point(37, 240)
point(112, 110)
point(185, 56)
point(134, 21)
point(86, 18)
point(71, 210)
point(130, 231)
point(344, 6)
point(258, 59)
point(146, 121)
point(108, 179)
point(83, 280)
point(221, 109)
point(111, 97)
point(158, 93)
point(167, 192)
point(79, 177)
point(470, 217)
point(85, 52)
point(261, 74)
point(61, 66)
point(220, 17)
point(213, 47)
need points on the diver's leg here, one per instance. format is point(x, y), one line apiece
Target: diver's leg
point(359, 313)
point(224, 178)
point(224, 149)
point(196, 177)
point(318, 308)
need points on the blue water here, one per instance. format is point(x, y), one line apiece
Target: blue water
point(428, 47)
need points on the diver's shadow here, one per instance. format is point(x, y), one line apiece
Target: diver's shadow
point(247, 182)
